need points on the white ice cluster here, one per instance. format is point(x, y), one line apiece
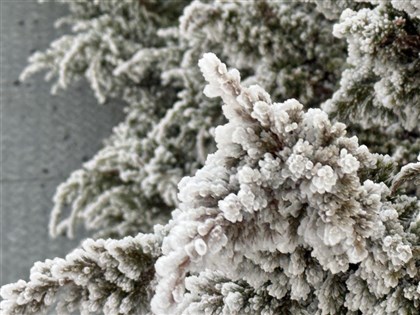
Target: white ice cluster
point(280, 212)
point(324, 180)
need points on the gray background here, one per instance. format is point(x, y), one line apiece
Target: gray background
point(43, 138)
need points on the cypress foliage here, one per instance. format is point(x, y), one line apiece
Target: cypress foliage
point(299, 195)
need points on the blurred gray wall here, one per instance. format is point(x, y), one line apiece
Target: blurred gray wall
point(43, 138)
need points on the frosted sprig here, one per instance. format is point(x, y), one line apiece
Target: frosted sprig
point(114, 277)
point(105, 35)
point(409, 173)
point(381, 85)
point(211, 292)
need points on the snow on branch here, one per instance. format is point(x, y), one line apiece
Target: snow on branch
point(111, 276)
point(409, 173)
point(280, 205)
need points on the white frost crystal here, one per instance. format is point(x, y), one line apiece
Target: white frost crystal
point(324, 180)
point(231, 208)
point(348, 162)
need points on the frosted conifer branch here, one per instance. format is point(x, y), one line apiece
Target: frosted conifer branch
point(132, 183)
point(268, 50)
point(211, 292)
point(110, 276)
point(105, 35)
point(291, 214)
point(411, 7)
point(109, 194)
point(378, 94)
point(409, 173)
point(333, 8)
point(381, 86)
point(281, 204)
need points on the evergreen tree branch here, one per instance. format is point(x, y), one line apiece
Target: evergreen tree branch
point(111, 276)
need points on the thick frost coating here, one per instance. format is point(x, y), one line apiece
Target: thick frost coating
point(105, 35)
point(211, 292)
point(409, 173)
point(138, 52)
point(382, 85)
point(108, 276)
point(281, 205)
point(285, 46)
point(378, 96)
point(289, 216)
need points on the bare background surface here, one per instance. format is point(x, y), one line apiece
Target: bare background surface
point(43, 138)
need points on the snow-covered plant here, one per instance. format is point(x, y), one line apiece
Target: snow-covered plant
point(131, 184)
point(380, 90)
point(106, 193)
point(105, 35)
point(284, 45)
point(293, 207)
point(289, 216)
point(384, 47)
point(109, 276)
point(281, 209)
